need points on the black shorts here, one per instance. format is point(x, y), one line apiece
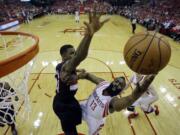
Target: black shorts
point(8, 114)
point(68, 111)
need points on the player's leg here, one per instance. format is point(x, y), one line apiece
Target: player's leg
point(147, 105)
point(68, 125)
point(68, 128)
point(153, 93)
point(149, 98)
point(66, 115)
point(148, 108)
point(133, 28)
point(77, 19)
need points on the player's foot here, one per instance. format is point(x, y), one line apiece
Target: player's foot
point(156, 110)
point(133, 115)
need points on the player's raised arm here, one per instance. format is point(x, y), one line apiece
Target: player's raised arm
point(92, 27)
point(117, 104)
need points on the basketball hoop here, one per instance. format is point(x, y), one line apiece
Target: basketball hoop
point(17, 52)
point(11, 63)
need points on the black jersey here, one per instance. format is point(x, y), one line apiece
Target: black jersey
point(66, 90)
point(65, 105)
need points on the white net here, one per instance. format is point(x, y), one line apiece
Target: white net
point(14, 95)
point(14, 86)
point(7, 94)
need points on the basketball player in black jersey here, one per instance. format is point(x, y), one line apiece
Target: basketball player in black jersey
point(7, 113)
point(65, 105)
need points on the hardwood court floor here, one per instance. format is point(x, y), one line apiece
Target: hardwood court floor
point(105, 55)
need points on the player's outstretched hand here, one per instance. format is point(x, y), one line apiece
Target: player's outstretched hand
point(94, 23)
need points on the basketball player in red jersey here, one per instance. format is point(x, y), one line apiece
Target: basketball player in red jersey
point(104, 99)
point(65, 105)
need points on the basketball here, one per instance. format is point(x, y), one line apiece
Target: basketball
point(147, 53)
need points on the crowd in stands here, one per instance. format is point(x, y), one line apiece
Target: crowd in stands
point(69, 6)
point(65, 7)
point(162, 15)
point(14, 9)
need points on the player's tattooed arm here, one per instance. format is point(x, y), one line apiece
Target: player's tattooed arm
point(117, 104)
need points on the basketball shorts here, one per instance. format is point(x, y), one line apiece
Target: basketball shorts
point(69, 113)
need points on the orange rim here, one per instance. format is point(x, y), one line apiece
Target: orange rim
point(15, 62)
